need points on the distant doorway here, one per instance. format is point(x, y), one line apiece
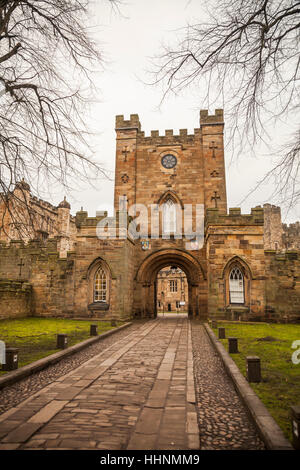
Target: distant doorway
point(171, 291)
point(151, 298)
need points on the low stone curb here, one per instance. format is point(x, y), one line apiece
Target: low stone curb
point(267, 427)
point(19, 374)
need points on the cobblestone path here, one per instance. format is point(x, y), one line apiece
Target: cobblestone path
point(139, 393)
point(14, 394)
point(223, 420)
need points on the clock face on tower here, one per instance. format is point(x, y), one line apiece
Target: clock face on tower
point(169, 161)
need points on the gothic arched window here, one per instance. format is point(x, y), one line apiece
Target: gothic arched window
point(100, 286)
point(169, 216)
point(236, 286)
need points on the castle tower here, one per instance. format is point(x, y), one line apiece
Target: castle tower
point(273, 230)
point(187, 167)
point(63, 227)
point(126, 161)
point(212, 139)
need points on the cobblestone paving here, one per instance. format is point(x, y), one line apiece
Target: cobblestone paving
point(132, 395)
point(138, 393)
point(223, 420)
point(14, 394)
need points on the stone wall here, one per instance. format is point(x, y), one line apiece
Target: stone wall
point(25, 217)
point(291, 236)
point(35, 280)
point(278, 236)
point(235, 240)
point(39, 264)
point(15, 299)
point(273, 230)
point(282, 285)
point(197, 176)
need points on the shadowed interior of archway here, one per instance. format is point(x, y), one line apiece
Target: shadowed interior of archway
point(146, 277)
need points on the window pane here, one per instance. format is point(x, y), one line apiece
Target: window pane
point(173, 286)
point(236, 286)
point(169, 217)
point(100, 286)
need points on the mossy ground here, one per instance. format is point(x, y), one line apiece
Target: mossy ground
point(280, 386)
point(36, 337)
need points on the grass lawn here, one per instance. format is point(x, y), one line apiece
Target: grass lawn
point(280, 386)
point(36, 337)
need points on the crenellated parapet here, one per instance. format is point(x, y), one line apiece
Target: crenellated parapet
point(43, 204)
point(291, 236)
point(84, 221)
point(169, 138)
point(215, 217)
point(132, 123)
point(217, 118)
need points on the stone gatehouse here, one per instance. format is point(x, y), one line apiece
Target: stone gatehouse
point(244, 266)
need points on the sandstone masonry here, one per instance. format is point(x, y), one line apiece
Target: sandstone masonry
point(247, 266)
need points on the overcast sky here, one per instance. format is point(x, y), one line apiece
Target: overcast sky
point(128, 40)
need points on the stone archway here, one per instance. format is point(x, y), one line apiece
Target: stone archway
point(145, 292)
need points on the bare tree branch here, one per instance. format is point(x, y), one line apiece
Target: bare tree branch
point(247, 54)
point(46, 56)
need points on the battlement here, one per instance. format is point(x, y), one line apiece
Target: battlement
point(293, 226)
point(44, 204)
point(155, 138)
point(214, 217)
point(271, 208)
point(34, 200)
point(132, 123)
point(217, 118)
point(49, 245)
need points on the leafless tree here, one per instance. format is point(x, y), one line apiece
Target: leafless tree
point(246, 54)
point(46, 60)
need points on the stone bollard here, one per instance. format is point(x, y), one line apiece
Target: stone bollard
point(94, 330)
point(11, 359)
point(214, 324)
point(253, 369)
point(295, 418)
point(233, 345)
point(62, 341)
point(221, 332)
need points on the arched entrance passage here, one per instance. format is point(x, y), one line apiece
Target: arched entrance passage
point(145, 299)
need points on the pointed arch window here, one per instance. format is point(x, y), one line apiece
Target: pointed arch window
point(236, 286)
point(100, 286)
point(169, 216)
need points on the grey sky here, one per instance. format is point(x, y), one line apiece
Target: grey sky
point(128, 40)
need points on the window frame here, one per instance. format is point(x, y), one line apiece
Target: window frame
point(103, 297)
point(173, 285)
point(241, 278)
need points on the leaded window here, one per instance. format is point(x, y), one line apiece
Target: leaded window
point(100, 286)
point(236, 286)
point(173, 286)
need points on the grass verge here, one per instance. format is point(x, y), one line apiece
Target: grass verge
point(36, 337)
point(280, 386)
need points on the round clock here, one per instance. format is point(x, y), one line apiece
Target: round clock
point(169, 161)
